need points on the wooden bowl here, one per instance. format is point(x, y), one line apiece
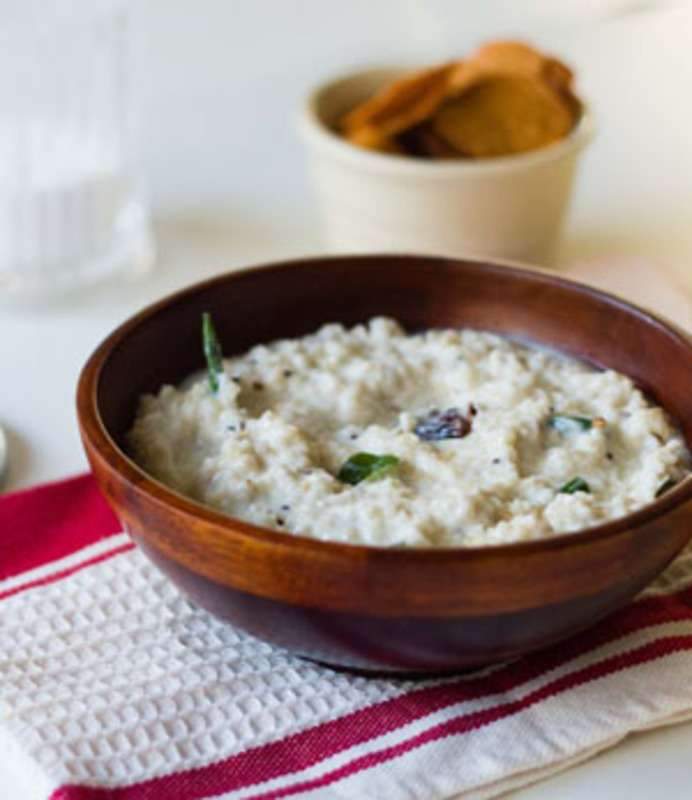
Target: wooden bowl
point(377, 609)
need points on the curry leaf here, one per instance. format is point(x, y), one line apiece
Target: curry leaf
point(212, 352)
point(366, 467)
point(575, 485)
point(567, 423)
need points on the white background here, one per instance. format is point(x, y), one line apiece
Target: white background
point(218, 83)
point(221, 79)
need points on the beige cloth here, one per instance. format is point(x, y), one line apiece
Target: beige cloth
point(651, 286)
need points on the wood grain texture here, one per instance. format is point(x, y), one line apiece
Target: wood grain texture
point(372, 608)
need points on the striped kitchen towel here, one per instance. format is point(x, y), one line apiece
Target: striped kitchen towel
point(114, 687)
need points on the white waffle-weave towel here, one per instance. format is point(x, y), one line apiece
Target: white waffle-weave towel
point(114, 687)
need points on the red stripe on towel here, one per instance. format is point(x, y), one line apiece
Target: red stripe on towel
point(46, 523)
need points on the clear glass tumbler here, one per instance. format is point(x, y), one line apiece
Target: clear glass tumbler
point(71, 207)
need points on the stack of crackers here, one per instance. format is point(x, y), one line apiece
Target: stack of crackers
point(505, 98)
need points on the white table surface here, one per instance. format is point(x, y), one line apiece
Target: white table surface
point(225, 199)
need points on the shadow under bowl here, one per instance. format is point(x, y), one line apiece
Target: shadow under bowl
point(377, 609)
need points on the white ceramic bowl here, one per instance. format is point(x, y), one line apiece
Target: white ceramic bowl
point(508, 207)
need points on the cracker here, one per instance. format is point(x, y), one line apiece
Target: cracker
point(517, 58)
point(402, 104)
point(422, 141)
point(372, 139)
point(503, 115)
point(507, 98)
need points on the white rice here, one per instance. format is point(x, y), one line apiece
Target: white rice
point(268, 446)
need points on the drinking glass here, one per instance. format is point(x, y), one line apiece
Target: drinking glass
point(71, 205)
